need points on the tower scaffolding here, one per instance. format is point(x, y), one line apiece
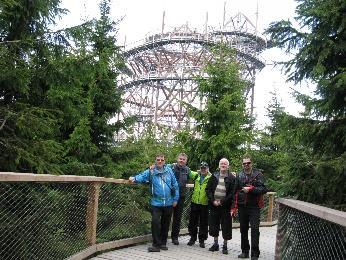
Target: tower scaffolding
point(160, 71)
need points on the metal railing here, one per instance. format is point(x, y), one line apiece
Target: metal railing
point(309, 231)
point(59, 217)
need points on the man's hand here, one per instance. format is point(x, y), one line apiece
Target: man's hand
point(132, 179)
point(175, 203)
point(216, 203)
point(246, 189)
point(233, 212)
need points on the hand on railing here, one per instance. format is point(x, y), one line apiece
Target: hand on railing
point(132, 179)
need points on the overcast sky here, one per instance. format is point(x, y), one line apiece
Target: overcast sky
point(140, 17)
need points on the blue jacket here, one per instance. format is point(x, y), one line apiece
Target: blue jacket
point(160, 185)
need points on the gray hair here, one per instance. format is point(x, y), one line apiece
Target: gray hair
point(183, 155)
point(224, 159)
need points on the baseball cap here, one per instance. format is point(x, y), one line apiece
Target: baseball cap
point(204, 165)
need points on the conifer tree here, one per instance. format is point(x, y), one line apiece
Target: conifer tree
point(316, 141)
point(223, 125)
point(28, 128)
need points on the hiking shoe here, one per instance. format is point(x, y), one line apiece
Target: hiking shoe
point(224, 250)
point(191, 242)
point(243, 255)
point(153, 249)
point(175, 241)
point(201, 244)
point(163, 247)
point(214, 247)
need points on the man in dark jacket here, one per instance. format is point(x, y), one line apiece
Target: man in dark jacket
point(220, 190)
point(182, 174)
point(249, 200)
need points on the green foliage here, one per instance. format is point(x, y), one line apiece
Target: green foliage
point(313, 165)
point(320, 46)
point(58, 91)
point(269, 153)
point(223, 126)
point(135, 155)
point(28, 128)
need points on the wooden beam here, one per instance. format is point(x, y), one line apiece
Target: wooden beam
point(31, 177)
point(270, 207)
point(83, 254)
point(122, 242)
point(91, 216)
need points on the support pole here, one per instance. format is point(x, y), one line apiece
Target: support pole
point(91, 216)
point(270, 208)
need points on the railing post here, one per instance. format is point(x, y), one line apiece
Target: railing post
point(91, 216)
point(270, 207)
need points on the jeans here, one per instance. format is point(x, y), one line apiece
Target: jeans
point(160, 220)
point(249, 216)
point(177, 213)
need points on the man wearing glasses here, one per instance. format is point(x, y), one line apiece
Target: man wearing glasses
point(164, 196)
point(249, 200)
point(182, 174)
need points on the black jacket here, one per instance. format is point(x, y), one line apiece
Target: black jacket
point(182, 175)
point(254, 197)
point(230, 182)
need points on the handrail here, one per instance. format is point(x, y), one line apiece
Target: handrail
point(309, 231)
point(31, 177)
point(332, 215)
point(94, 185)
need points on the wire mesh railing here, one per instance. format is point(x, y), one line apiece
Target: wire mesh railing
point(308, 231)
point(59, 217)
point(42, 221)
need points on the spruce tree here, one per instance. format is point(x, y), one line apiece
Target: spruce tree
point(28, 128)
point(317, 140)
point(223, 125)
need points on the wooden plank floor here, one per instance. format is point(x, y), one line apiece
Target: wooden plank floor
point(185, 252)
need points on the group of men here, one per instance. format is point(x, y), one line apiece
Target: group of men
point(216, 198)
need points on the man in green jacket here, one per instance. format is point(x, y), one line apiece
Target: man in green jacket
point(199, 206)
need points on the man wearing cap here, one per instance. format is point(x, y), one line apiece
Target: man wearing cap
point(198, 222)
point(220, 191)
point(249, 200)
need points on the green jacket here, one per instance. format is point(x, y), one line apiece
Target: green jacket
point(199, 196)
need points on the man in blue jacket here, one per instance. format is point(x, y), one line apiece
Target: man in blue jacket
point(164, 196)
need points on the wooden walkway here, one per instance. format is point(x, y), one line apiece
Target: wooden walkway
point(185, 252)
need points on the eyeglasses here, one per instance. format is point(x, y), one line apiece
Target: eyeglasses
point(160, 160)
point(246, 163)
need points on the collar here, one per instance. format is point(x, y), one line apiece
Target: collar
point(158, 171)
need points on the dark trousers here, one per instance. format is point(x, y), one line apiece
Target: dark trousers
point(252, 216)
point(220, 215)
point(177, 213)
point(160, 220)
point(198, 219)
